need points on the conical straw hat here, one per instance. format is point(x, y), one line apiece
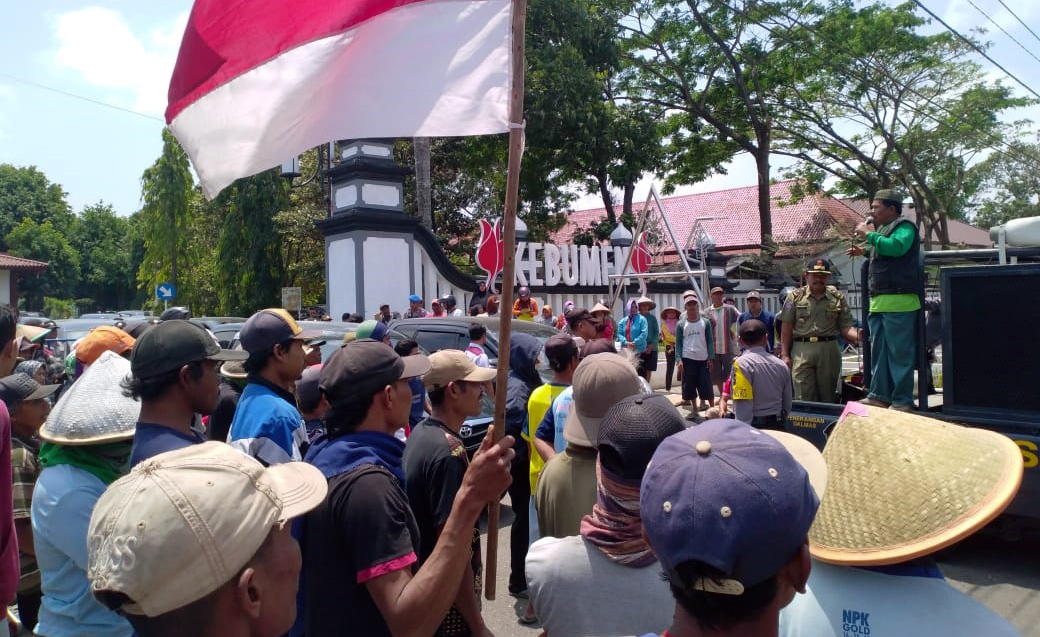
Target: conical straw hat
point(94, 409)
point(901, 486)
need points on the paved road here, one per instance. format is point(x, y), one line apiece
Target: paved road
point(1003, 575)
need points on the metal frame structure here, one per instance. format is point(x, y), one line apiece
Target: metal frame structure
point(640, 227)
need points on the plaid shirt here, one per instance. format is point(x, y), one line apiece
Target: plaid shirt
point(25, 468)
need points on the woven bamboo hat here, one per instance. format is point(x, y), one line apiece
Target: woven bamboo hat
point(902, 486)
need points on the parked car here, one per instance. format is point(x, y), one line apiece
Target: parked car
point(453, 333)
point(332, 333)
point(71, 330)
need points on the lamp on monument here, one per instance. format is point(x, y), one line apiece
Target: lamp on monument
point(520, 230)
point(291, 168)
point(621, 236)
point(365, 178)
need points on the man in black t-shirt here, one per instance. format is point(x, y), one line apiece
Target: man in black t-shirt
point(361, 546)
point(434, 466)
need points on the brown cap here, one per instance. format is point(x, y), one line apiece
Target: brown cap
point(717, 289)
point(753, 294)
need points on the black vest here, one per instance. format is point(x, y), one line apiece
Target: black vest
point(896, 275)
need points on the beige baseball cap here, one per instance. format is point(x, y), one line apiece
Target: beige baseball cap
point(450, 365)
point(600, 381)
point(164, 535)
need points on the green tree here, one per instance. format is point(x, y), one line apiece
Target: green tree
point(711, 66)
point(248, 254)
point(43, 242)
point(166, 217)
point(107, 276)
point(884, 105)
point(579, 125)
point(1013, 184)
point(301, 244)
point(26, 193)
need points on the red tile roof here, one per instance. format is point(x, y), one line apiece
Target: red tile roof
point(10, 262)
point(735, 226)
point(960, 233)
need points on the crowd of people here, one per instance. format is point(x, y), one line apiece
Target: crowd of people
point(177, 488)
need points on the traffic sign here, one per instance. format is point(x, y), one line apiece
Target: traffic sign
point(165, 291)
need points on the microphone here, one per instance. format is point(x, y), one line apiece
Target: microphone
point(869, 220)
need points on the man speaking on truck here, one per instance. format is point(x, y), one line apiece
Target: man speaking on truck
point(894, 249)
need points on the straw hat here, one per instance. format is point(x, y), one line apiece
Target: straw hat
point(646, 299)
point(902, 486)
point(233, 370)
point(94, 409)
point(30, 333)
point(673, 309)
point(599, 307)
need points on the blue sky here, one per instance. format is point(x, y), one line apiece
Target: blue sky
point(122, 52)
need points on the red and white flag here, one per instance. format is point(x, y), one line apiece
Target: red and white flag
point(258, 82)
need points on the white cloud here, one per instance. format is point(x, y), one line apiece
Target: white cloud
point(100, 46)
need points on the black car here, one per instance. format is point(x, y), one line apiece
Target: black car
point(453, 333)
point(435, 334)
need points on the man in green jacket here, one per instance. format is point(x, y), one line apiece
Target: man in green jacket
point(894, 249)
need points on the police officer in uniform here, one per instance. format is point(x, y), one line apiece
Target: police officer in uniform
point(760, 383)
point(813, 316)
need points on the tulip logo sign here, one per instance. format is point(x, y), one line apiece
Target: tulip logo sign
point(550, 265)
point(641, 260)
point(490, 255)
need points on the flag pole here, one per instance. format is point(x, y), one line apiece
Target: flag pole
point(516, 151)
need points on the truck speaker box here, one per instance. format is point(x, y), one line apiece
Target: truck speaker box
point(990, 340)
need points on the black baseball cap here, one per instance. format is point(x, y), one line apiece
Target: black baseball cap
point(18, 387)
point(363, 367)
point(269, 327)
point(631, 431)
point(171, 344)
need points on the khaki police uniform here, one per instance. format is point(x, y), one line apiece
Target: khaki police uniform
point(815, 354)
point(760, 385)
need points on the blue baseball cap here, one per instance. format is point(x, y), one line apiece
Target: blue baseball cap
point(730, 496)
point(415, 298)
point(266, 328)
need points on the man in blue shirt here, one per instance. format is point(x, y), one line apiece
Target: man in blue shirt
point(755, 311)
point(173, 372)
point(267, 424)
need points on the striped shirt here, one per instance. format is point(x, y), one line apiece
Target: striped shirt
point(724, 321)
point(25, 469)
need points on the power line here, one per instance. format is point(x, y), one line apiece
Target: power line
point(80, 97)
point(995, 139)
point(1019, 20)
point(976, 47)
point(985, 15)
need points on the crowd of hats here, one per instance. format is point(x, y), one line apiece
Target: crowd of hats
point(888, 487)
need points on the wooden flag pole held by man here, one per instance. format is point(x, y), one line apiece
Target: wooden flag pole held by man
point(505, 318)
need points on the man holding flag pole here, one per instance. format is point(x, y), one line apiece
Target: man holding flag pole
point(257, 82)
